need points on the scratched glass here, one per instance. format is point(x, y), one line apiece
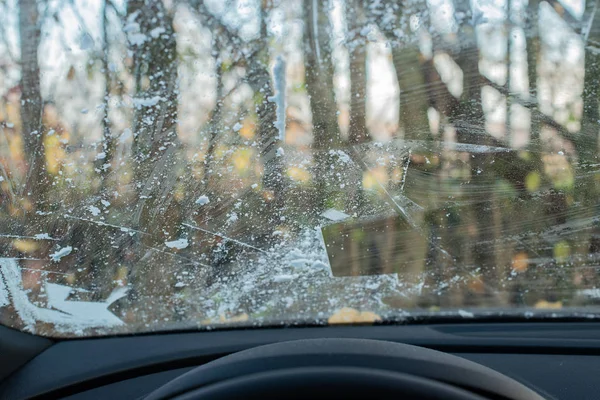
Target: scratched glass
point(206, 164)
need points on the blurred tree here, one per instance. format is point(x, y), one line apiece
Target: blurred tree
point(357, 49)
point(155, 144)
point(319, 85)
point(36, 182)
point(104, 164)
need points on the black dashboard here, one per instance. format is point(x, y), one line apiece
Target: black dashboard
point(555, 360)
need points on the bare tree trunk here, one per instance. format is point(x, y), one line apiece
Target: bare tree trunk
point(104, 163)
point(358, 132)
point(319, 85)
point(213, 126)
point(31, 100)
point(266, 112)
point(414, 100)
point(155, 144)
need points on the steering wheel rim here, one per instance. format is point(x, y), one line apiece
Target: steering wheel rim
point(329, 382)
point(369, 355)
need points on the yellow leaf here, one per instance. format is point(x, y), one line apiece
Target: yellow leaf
point(349, 315)
point(25, 246)
point(248, 129)
point(225, 320)
point(298, 174)
point(533, 181)
point(543, 304)
point(520, 262)
point(562, 251)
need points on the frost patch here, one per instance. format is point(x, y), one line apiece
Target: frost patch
point(295, 273)
point(3, 293)
point(98, 311)
point(177, 244)
point(59, 254)
point(86, 41)
point(68, 316)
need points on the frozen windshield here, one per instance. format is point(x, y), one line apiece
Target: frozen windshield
point(190, 164)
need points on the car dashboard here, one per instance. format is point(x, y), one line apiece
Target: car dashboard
point(556, 360)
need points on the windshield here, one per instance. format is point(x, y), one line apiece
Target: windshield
point(205, 164)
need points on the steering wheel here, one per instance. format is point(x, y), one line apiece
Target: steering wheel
point(343, 368)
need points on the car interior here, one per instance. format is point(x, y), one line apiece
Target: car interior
point(534, 360)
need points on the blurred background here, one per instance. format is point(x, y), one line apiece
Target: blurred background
point(190, 162)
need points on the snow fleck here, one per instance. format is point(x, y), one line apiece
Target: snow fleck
point(177, 244)
point(254, 185)
point(180, 285)
point(140, 102)
point(101, 156)
point(1, 179)
point(465, 314)
point(10, 125)
point(51, 132)
point(94, 210)
point(203, 200)
point(237, 127)
point(156, 32)
point(42, 236)
point(136, 38)
point(232, 218)
point(299, 263)
point(280, 152)
point(105, 203)
point(84, 110)
point(345, 158)
point(284, 278)
point(334, 215)
point(59, 254)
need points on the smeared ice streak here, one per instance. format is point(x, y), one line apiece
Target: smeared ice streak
point(588, 28)
point(41, 271)
point(398, 207)
point(279, 97)
point(9, 236)
point(191, 261)
point(406, 171)
point(409, 218)
point(224, 237)
point(100, 223)
point(454, 146)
